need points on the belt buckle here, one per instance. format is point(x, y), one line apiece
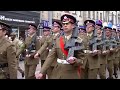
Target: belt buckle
point(62, 62)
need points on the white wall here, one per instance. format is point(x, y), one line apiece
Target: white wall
point(58, 14)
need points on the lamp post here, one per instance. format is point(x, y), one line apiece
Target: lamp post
point(40, 23)
point(116, 17)
point(50, 17)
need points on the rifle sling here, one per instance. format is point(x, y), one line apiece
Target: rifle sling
point(62, 46)
point(33, 41)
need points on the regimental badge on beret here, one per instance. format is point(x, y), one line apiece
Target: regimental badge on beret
point(88, 22)
point(55, 24)
point(65, 17)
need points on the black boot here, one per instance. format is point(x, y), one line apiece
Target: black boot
point(110, 78)
point(116, 75)
point(23, 74)
point(115, 72)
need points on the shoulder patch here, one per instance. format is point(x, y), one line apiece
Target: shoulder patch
point(79, 40)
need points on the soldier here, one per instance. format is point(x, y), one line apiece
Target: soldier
point(116, 54)
point(110, 56)
point(98, 24)
point(46, 34)
point(118, 36)
point(49, 43)
point(8, 61)
point(32, 44)
point(18, 45)
point(64, 68)
point(82, 30)
point(91, 63)
point(102, 56)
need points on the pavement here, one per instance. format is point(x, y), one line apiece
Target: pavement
point(21, 64)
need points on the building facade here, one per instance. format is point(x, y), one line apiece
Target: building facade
point(19, 20)
point(81, 16)
point(48, 16)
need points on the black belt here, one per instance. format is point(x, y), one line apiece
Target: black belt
point(3, 65)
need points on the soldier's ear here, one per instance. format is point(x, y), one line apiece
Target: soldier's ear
point(73, 26)
point(5, 32)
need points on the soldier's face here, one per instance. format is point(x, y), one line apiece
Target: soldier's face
point(99, 32)
point(31, 30)
point(2, 32)
point(89, 28)
point(68, 27)
point(108, 32)
point(82, 32)
point(55, 29)
point(46, 33)
point(114, 33)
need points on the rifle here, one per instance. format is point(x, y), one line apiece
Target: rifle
point(73, 44)
point(32, 47)
point(118, 41)
point(108, 44)
point(105, 42)
point(113, 42)
point(94, 42)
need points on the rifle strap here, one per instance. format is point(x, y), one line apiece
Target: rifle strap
point(66, 53)
point(33, 41)
point(62, 46)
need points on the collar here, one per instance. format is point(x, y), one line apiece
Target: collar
point(90, 34)
point(55, 34)
point(68, 37)
point(31, 35)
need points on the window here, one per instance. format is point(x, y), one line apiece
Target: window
point(118, 19)
point(93, 14)
point(88, 14)
point(66, 11)
point(80, 15)
point(74, 12)
point(106, 16)
point(112, 17)
point(97, 16)
point(58, 15)
point(100, 16)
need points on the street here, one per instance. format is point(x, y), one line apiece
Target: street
point(38, 69)
point(21, 64)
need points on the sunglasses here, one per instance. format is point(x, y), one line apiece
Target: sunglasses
point(65, 23)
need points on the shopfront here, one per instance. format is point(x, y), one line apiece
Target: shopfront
point(19, 20)
point(45, 23)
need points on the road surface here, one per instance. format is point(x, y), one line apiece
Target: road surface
point(39, 65)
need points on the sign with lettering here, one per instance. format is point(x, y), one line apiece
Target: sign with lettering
point(4, 18)
point(45, 23)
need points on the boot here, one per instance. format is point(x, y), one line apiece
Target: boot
point(23, 74)
point(116, 75)
point(110, 78)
